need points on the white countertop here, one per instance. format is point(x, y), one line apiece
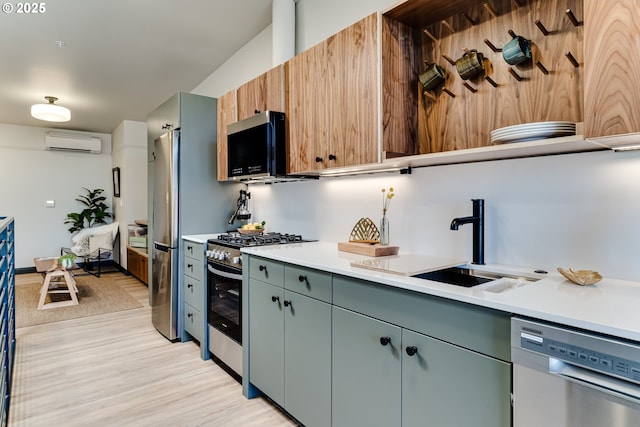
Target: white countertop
point(610, 306)
point(200, 238)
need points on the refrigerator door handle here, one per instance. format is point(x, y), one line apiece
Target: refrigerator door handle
point(161, 246)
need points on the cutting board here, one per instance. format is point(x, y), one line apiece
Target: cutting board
point(368, 249)
point(408, 264)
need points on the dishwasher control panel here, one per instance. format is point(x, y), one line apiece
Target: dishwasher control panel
point(600, 353)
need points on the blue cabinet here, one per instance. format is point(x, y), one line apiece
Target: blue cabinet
point(7, 312)
point(290, 338)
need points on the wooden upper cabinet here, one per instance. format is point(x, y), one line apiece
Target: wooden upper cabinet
point(612, 67)
point(353, 88)
point(226, 115)
point(264, 93)
point(306, 114)
point(332, 94)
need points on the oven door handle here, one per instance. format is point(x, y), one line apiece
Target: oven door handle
point(603, 383)
point(224, 274)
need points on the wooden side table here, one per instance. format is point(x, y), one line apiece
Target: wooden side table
point(56, 276)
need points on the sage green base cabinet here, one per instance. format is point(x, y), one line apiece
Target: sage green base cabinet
point(336, 351)
point(290, 339)
point(366, 375)
point(385, 373)
point(194, 289)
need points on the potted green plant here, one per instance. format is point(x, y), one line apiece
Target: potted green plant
point(66, 261)
point(96, 211)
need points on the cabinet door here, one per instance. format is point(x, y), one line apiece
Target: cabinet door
point(226, 115)
point(353, 94)
point(133, 262)
point(307, 111)
point(307, 359)
point(365, 374)
point(264, 93)
point(144, 269)
point(449, 386)
point(267, 339)
point(612, 61)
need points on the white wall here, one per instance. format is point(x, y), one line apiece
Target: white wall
point(250, 61)
point(31, 175)
point(130, 155)
point(578, 210)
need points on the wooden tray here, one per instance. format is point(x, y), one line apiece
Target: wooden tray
point(368, 248)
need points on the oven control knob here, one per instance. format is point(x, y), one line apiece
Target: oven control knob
point(224, 256)
point(236, 260)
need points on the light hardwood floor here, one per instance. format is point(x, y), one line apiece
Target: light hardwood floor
point(117, 370)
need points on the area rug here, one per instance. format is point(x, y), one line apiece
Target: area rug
point(95, 296)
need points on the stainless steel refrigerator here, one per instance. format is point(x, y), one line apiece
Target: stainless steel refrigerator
point(164, 265)
point(185, 198)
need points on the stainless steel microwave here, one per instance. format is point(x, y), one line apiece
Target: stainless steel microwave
point(256, 147)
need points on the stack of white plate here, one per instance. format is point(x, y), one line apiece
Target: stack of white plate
point(532, 131)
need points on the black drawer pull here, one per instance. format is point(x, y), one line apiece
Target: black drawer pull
point(274, 298)
point(302, 278)
point(190, 286)
point(385, 340)
point(189, 315)
point(287, 303)
point(411, 350)
point(318, 159)
point(332, 157)
point(190, 266)
point(262, 268)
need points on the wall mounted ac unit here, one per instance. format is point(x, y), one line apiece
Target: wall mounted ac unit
point(71, 142)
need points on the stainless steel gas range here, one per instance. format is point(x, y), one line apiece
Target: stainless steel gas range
point(224, 290)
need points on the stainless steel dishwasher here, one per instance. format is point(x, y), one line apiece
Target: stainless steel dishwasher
point(564, 377)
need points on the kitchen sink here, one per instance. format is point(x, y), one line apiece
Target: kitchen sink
point(470, 277)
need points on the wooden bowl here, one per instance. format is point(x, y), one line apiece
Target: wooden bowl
point(250, 232)
point(581, 277)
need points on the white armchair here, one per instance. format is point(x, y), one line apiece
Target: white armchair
point(95, 246)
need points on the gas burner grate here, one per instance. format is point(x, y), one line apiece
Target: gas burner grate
point(239, 240)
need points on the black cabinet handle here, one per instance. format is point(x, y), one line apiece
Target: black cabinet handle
point(302, 278)
point(385, 340)
point(318, 159)
point(189, 315)
point(411, 350)
point(262, 268)
point(287, 303)
point(190, 248)
point(274, 298)
point(190, 286)
point(332, 156)
point(189, 265)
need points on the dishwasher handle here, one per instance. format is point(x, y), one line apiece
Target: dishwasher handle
point(603, 383)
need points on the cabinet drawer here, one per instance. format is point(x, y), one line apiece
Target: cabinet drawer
point(193, 322)
point(193, 250)
point(307, 281)
point(268, 271)
point(478, 328)
point(194, 268)
point(193, 292)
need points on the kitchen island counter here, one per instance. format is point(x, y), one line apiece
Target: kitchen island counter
point(609, 307)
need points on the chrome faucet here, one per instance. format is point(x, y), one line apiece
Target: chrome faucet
point(478, 229)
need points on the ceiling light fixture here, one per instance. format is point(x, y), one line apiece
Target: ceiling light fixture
point(50, 112)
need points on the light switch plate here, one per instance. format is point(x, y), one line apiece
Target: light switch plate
point(50, 203)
